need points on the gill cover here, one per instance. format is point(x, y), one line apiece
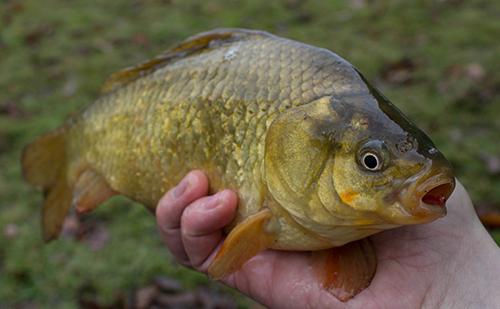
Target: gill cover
point(298, 159)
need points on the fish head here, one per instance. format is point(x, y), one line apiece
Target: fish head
point(347, 166)
point(387, 169)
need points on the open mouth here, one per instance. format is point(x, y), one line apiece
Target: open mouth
point(433, 194)
point(424, 197)
point(439, 195)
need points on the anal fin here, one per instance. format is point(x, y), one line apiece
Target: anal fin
point(90, 190)
point(347, 270)
point(246, 240)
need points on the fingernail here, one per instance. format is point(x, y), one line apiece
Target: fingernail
point(214, 201)
point(181, 187)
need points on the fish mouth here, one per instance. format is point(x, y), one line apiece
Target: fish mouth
point(432, 195)
point(423, 197)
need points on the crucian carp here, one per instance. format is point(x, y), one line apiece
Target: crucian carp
point(319, 158)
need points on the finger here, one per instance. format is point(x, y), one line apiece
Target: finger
point(171, 206)
point(202, 224)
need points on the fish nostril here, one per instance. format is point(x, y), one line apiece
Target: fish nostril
point(438, 195)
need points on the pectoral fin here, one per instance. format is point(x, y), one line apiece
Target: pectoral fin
point(345, 271)
point(247, 239)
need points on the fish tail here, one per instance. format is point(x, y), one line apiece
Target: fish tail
point(44, 164)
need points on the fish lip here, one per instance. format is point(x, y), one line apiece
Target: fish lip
point(420, 209)
point(411, 196)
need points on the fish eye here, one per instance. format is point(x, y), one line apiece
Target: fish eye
point(373, 156)
point(371, 161)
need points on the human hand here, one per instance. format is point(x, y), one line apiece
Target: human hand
point(449, 263)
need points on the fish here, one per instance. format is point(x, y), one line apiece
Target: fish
point(319, 158)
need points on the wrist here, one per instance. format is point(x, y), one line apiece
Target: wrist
point(474, 276)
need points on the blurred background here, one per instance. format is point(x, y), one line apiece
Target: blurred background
point(438, 61)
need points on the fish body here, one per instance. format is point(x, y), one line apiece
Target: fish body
point(318, 157)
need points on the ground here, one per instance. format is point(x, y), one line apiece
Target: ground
point(436, 60)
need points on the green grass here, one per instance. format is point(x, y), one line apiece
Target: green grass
point(55, 54)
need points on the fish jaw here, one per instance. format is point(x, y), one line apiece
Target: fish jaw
point(422, 198)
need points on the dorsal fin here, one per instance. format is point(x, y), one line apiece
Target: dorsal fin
point(192, 45)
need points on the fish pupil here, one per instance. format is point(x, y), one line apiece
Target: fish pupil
point(370, 161)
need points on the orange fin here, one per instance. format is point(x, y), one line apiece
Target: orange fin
point(43, 159)
point(44, 165)
point(245, 241)
point(195, 44)
point(347, 270)
point(90, 190)
point(55, 208)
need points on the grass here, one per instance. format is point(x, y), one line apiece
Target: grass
point(437, 60)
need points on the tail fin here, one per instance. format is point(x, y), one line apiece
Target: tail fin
point(44, 165)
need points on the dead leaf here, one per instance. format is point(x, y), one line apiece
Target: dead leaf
point(210, 300)
point(399, 72)
point(10, 231)
point(456, 135)
point(469, 85)
point(489, 214)
point(492, 163)
point(141, 39)
point(358, 4)
point(167, 285)
point(71, 226)
point(474, 71)
point(87, 299)
point(70, 86)
point(96, 237)
point(35, 35)
point(183, 300)
point(12, 110)
point(90, 231)
point(145, 296)
point(11, 9)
